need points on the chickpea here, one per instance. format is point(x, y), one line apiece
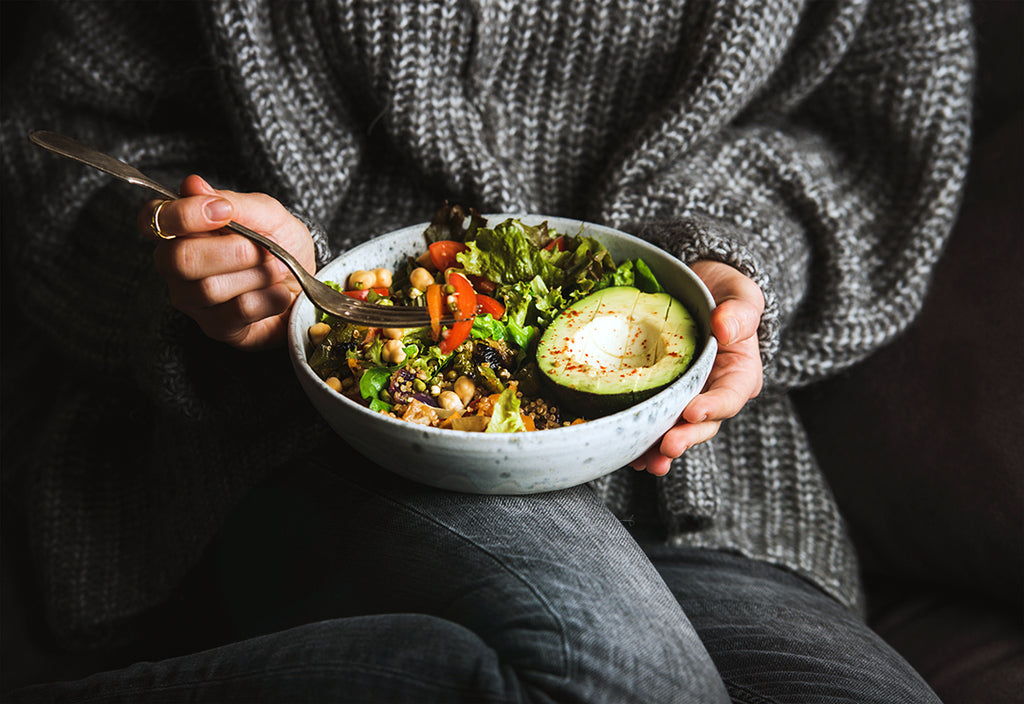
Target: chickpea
point(464, 387)
point(361, 280)
point(382, 277)
point(421, 278)
point(334, 382)
point(393, 352)
point(450, 400)
point(393, 333)
point(318, 332)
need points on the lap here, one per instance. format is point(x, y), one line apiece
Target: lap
point(776, 638)
point(363, 586)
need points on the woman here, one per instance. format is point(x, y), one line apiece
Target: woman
point(807, 158)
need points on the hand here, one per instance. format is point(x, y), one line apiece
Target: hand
point(736, 376)
point(237, 291)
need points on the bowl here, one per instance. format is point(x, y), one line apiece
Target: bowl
point(508, 463)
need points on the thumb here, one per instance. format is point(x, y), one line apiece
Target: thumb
point(735, 319)
point(739, 301)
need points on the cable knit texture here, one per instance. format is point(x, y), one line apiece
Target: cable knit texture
point(817, 147)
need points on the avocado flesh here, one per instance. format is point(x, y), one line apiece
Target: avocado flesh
point(615, 348)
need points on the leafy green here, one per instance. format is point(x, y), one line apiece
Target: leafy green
point(548, 302)
point(531, 302)
point(372, 381)
point(505, 417)
point(377, 405)
point(622, 275)
point(485, 327)
point(450, 223)
point(511, 253)
point(323, 317)
point(522, 335)
point(646, 281)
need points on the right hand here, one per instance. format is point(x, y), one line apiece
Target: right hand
point(736, 376)
point(234, 289)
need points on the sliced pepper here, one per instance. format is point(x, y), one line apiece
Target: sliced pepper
point(435, 308)
point(465, 307)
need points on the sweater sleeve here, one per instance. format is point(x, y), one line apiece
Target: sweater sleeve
point(831, 179)
point(153, 430)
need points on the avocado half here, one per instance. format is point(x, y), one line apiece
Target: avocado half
point(615, 348)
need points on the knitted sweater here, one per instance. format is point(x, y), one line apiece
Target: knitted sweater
point(819, 147)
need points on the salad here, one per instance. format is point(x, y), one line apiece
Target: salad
point(510, 281)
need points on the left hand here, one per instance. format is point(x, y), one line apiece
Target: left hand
point(736, 376)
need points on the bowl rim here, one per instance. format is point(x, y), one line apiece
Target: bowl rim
point(297, 348)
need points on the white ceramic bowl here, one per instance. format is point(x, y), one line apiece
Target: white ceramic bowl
point(508, 463)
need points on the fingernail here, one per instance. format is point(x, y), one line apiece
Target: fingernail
point(218, 209)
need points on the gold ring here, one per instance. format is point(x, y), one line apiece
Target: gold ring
point(154, 223)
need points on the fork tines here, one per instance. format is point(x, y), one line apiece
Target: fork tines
point(374, 315)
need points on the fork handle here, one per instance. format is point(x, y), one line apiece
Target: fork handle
point(73, 149)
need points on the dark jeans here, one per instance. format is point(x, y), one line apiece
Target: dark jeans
point(361, 587)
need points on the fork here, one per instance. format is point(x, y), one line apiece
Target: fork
point(323, 296)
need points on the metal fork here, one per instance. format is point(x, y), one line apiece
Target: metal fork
point(323, 296)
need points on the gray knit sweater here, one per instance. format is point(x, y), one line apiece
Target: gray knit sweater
point(819, 147)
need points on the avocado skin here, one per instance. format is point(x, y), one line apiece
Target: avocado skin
point(589, 405)
point(681, 343)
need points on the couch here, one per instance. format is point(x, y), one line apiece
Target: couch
point(924, 441)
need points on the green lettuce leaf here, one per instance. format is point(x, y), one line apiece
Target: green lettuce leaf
point(511, 253)
point(622, 275)
point(522, 335)
point(505, 418)
point(485, 327)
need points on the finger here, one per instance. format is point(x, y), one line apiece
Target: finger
point(732, 384)
point(228, 321)
point(658, 464)
point(653, 461)
point(194, 258)
point(684, 436)
point(727, 283)
point(195, 215)
point(734, 320)
point(658, 459)
point(206, 292)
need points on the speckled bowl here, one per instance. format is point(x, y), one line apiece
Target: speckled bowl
point(508, 463)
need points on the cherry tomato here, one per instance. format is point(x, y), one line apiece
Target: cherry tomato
point(465, 298)
point(442, 254)
point(486, 304)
